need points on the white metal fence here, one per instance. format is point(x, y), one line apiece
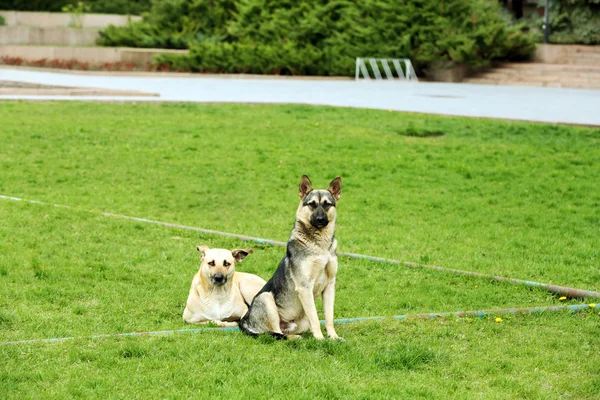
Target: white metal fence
point(402, 69)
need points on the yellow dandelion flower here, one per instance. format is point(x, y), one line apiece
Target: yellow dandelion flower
point(563, 298)
point(498, 319)
point(593, 305)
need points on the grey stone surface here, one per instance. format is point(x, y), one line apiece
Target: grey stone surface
point(33, 35)
point(56, 19)
point(556, 105)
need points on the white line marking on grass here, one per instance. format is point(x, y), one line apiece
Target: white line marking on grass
point(560, 290)
point(457, 314)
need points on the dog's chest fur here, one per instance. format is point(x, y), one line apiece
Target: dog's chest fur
point(319, 272)
point(218, 304)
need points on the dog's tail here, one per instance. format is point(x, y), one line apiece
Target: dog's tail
point(248, 331)
point(278, 336)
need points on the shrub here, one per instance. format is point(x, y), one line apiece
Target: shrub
point(318, 37)
point(2, 21)
point(173, 24)
point(571, 22)
point(321, 37)
point(127, 7)
point(77, 12)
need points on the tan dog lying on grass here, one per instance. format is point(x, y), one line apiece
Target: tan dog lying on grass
point(219, 294)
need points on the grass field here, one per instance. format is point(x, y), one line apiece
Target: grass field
point(513, 199)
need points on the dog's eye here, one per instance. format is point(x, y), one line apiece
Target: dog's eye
point(326, 205)
point(226, 264)
point(312, 204)
point(211, 263)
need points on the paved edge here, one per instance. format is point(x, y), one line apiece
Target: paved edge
point(110, 100)
point(73, 92)
point(176, 74)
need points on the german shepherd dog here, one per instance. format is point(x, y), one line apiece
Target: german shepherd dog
point(285, 306)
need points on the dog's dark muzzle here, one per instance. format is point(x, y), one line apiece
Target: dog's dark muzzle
point(319, 220)
point(219, 279)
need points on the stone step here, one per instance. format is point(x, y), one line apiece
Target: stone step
point(565, 82)
point(535, 70)
point(541, 76)
point(31, 35)
point(54, 20)
point(567, 54)
point(548, 67)
point(573, 85)
point(92, 55)
point(537, 74)
point(583, 84)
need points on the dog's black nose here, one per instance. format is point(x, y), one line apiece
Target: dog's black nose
point(219, 278)
point(319, 220)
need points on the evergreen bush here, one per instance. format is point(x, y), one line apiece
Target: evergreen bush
point(173, 24)
point(323, 37)
point(571, 22)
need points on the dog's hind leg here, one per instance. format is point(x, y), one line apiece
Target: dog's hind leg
point(293, 330)
point(262, 317)
point(297, 327)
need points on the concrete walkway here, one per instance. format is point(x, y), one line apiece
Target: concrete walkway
point(557, 105)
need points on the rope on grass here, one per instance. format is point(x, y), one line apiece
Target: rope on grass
point(457, 314)
point(559, 290)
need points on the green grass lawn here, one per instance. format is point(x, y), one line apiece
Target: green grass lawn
point(513, 199)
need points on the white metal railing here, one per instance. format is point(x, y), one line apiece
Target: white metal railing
point(404, 74)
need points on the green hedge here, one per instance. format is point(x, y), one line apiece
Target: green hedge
point(571, 22)
point(131, 7)
point(173, 24)
point(322, 37)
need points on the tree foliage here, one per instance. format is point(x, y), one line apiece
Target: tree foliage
point(322, 37)
point(571, 21)
point(173, 24)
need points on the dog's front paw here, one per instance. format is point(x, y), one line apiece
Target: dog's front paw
point(224, 324)
point(334, 336)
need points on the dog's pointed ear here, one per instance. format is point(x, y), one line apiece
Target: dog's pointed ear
point(305, 186)
point(202, 249)
point(335, 188)
point(240, 254)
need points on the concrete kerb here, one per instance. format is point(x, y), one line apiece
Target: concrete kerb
point(161, 74)
point(93, 55)
point(33, 35)
point(158, 99)
point(77, 92)
point(558, 290)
